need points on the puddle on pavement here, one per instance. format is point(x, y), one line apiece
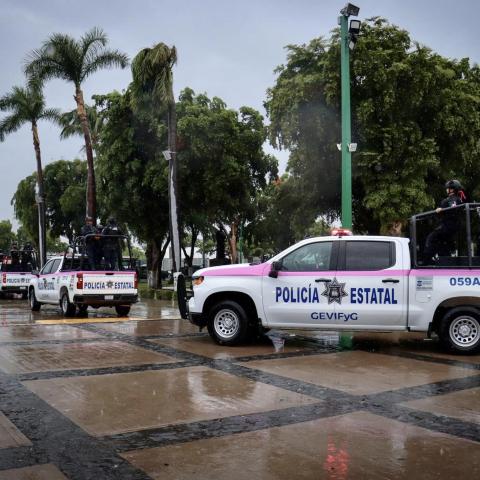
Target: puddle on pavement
point(17, 312)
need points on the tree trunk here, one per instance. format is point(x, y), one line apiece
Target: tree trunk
point(155, 254)
point(153, 276)
point(193, 241)
point(392, 229)
point(232, 242)
point(91, 187)
point(220, 245)
point(42, 235)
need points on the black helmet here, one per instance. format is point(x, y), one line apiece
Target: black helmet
point(111, 220)
point(454, 185)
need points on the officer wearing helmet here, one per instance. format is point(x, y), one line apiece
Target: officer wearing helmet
point(442, 240)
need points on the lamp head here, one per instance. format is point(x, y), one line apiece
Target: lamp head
point(350, 9)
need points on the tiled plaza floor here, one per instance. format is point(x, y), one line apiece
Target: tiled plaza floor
point(156, 399)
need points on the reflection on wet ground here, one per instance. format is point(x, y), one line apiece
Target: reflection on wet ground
point(17, 312)
point(150, 397)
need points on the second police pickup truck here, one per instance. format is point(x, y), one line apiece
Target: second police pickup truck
point(70, 282)
point(345, 282)
point(16, 271)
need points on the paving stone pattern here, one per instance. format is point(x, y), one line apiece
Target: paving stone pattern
point(94, 401)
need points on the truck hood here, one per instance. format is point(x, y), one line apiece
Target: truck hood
point(234, 270)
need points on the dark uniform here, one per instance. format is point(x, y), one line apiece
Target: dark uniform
point(111, 246)
point(90, 250)
point(442, 240)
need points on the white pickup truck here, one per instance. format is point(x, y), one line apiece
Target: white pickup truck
point(70, 282)
point(14, 282)
point(15, 275)
point(341, 283)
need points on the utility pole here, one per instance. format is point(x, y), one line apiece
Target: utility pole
point(348, 37)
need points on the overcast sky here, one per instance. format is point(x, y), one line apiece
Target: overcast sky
point(226, 49)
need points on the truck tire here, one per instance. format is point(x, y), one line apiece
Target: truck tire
point(459, 330)
point(122, 310)
point(68, 309)
point(82, 309)
point(34, 304)
point(228, 323)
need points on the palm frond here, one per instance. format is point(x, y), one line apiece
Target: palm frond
point(106, 59)
point(11, 124)
point(152, 73)
point(59, 57)
point(52, 114)
point(93, 40)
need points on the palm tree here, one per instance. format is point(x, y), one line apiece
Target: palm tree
point(152, 71)
point(27, 105)
point(71, 126)
point(61, 56)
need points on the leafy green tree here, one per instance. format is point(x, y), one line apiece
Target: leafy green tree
point(23, 202)
point(65, 185)
point(134, 175)
point(415, 117)
point(71, 125)
point(7, 236)
point(63, 57)
point(222, 150)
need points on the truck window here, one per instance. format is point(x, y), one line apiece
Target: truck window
point(368, 255)
point(55, 265)
point(314, 257)
point(47, 268)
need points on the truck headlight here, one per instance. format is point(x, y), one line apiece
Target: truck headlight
point(196, 281)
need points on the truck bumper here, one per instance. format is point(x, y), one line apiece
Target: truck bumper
point(118, 299)
point(195, 318)
point(14, 289)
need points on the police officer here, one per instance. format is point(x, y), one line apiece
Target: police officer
point(89, 229)
point(14, 253)
point(111, 246)
point(442, 240)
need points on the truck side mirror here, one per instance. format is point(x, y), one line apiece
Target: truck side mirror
point(276, 267)
point(35, 272)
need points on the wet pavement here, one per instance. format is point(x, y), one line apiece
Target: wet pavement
point(150, 397)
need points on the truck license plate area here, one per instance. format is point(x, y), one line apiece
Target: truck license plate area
point(108, 297)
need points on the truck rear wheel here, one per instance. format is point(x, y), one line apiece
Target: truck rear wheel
point(34, 304)
point(122, 310)
point(68, 308)
point(228, 323)
point(460, 330)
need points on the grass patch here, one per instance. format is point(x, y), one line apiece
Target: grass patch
point(145, 291)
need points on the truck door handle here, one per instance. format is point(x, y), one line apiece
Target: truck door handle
point(390, 280)
point(326, 280)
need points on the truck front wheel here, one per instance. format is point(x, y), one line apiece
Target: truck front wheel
point(228, 323)
point(34, 304)
point(122, 310)
point(68, 308)
point(460, 330)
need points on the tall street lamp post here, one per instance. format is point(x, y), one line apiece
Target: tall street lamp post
point(348, 37)
point(42, 235)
